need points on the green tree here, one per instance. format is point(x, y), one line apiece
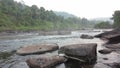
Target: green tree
point(103, 25)
point(116, 18)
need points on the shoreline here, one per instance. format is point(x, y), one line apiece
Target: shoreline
point(34, 32)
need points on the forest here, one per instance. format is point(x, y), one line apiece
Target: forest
point(18, 16)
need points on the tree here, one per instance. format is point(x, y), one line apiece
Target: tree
point(103, 25)
point(116, 18)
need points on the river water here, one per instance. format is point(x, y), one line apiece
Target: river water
point(14, 42)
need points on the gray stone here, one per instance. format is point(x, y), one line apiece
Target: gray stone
point(86, 52)
point(83, 36)
point(113, 65)
point(114, 47)
point(105, 51)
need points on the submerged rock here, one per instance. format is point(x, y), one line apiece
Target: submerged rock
point(105, 51)
point(86, 52)
point(37, 49)
point(45, 61)
point(83, 36)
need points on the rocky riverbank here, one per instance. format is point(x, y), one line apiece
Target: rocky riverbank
point(112, 45)
point(77, 53)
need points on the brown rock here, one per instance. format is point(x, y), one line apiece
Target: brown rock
point(86, 52)
point(37, 49)
point(45, 61)
point(113, 36)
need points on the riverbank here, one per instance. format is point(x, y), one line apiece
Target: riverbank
point(10, 45)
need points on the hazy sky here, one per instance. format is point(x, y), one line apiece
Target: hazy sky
point(81, 8)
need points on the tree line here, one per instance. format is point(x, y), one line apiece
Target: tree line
point(18, 16)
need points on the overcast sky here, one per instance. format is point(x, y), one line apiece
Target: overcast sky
point(81, 8)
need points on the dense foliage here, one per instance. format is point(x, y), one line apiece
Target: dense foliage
point(18, 16)
point(116, 18)
point(103, 25)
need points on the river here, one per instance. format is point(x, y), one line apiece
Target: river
point(14, 42)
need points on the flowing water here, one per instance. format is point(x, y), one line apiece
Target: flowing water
point(14, 42)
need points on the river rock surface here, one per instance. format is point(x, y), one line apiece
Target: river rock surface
point(113, 36)
point(45, 61)
point(86, 52)
point(37, 49)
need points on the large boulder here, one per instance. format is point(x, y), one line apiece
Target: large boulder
point(37, 49)
point(45, 61)
point(113, 36)
point(84, 52)
point(83, 36)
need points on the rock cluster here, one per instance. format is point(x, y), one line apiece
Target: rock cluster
point(83, 53)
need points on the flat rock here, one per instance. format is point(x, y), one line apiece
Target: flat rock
point(45, 61)
point(86, 52)
point(105, 51)
point(37, 49)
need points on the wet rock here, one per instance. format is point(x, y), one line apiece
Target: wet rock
point(20, 65)
point(83, 36)
point(113, 65)
point(113, 46)
point(105, 51)
point(37, 49)
point(113, 36)
point(45, 61)
point(86, 52)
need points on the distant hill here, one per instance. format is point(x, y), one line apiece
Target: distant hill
point(64, 14)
